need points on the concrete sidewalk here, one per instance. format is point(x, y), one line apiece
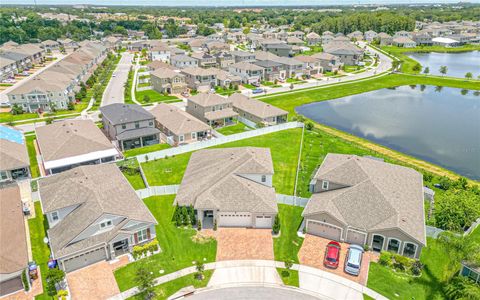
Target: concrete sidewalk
point(263, 272)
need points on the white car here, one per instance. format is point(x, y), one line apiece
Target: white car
point(114, 75)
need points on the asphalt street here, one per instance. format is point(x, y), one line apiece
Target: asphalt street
point(114, 93)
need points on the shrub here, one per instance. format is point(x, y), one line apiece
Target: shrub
point(54, 276)
point(49, 121)
point(62, 294)
point(427, 177)
point(199, 225)
point(309, 125)
point(385, 258)
point(26, 284)
point(288, 264)
point(140, 250)
point(416, 268)
point(276, 225)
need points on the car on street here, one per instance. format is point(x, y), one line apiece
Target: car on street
point(114, 75)
point(257, 91)
point(332, 255)
point(353, 260)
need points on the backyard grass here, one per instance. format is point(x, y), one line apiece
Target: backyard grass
point(287, 245)
point(178, 248)
point(154, 97)
point(6, 117)
point(32, 155)
point(40, 251)
point(237, 128)
point(429, 285)
point(146, 149)
point(289, 277)
point(165, 290)
point(170, 170)
point(135, 178)
point(367, 297)
point(313, 50)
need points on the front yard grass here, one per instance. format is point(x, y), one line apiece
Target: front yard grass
point(170, 170)
point(178, 248)
point(32, 155)
point(289, 277)
point(249, 86)
point(146, 149)
point(133, 177)
point(295, 81)
point(41, 253)
point(237, 128)
point(154, 97)
point(429, 285)
point(165, 290)
point(287, 245)
point(6, 117)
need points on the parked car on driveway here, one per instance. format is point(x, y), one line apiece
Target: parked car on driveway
point(353, 260)
point(332, 255)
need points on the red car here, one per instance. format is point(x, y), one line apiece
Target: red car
point(332, 255)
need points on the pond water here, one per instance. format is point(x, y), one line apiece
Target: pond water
point(458, 64)
point(439, 125)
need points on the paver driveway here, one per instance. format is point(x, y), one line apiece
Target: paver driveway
point(95, 281)
point(244, 243)
point(313, 251)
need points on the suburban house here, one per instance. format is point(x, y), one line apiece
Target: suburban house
point(205, 60)
point(168, 81)
point(14, 161)
point(370, 35)
point(280, 49)
point(241, 56)
point(384, 39)
point(348, 53)
point(313, 38)
point(159, 51)
point(130, 125)
point(183, 61)
point(292, 66)
point(224, 60)
point(292, 40)
point(198, 78)
point(226, 79)
point(422, 39)
point(68, 44)
point(327, 38)
point(364, 201)
point(445, 42)
point(250, 73)
point(312, 64)
point(297, 34)
point(93, 214)
point(157, 64)
point(252, 112)
point(272, 70)
point(231, 187)
point(13, 240)
point(404, 42)
point(67, 144)
point(177, 126)
point(356, 35)
point(49, 45)
point(215, 110)
point(112, 42)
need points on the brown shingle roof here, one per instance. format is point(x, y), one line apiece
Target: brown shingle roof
point(255, 107)
point(13, 155)
point(176, 120)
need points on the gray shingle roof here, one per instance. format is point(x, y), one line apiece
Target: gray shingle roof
point(13, 155)
point(208, 99)
point(255, 107)
point(375, 195)
point(213, 180)
point(94, 190)
point(176, 120)
point(135, 133)
point(119, 113)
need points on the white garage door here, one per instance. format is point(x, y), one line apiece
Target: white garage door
point(355, 237)
point(263, 221)
point(235, 219)
point(324, 230)
point(84, 259)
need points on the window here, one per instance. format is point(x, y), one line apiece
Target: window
point(409, 249)
point(106, 224)
point(324, 185)
point(150, 123)
point(194, 135)
point(124, 126)
point(181, 138)
point(3, 175)
point(142, 235)
point(137, 125)
point(264, 178)
point(393, 245)
point(55, 216)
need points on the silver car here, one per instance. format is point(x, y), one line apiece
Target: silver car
point(353, 260)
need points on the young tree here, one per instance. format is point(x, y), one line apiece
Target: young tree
point(417, 67)
point(469, 75)
point(395, 65)
point(461, 287)
point(70, 106)
point(443, 70)
point(146, 98)
point(16, 110)
point(200, 267)
point(54, 277)
point(145, 281)
point(276, 225)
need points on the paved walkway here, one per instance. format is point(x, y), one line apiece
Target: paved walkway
point(238, 272)
point(134, 83)
point(114, 92)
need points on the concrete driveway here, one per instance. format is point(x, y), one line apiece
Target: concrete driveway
point(114, 92)
point(313, 251)
point(249, 272)
point(95, 281)
point(244, 243)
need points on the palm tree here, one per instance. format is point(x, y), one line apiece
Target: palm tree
point(443, 70)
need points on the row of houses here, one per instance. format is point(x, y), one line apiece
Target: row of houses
point(56, 85)
point(15, 58)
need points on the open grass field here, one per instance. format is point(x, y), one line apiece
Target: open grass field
point(178, 248)
point(170, 170)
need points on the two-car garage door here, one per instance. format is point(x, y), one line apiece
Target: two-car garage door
point(324, 230)
point(234, 219)
point(84, 259)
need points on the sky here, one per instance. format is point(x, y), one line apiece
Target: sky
point(226, 2)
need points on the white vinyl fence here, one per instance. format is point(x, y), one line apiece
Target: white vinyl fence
point(158, 191)
point(291, 200)
point(217, 141)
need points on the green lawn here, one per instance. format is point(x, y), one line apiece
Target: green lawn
point(367, 297)
point(32, 154)
point(295, 81)
point(170, 170)
point(237, 128)
point(40, 251)
point(165, 290)
point(350, 69)
point(178, 248)
point(154, 97)
point(146, 149)
point(6, 117)
point(135, 179)
point(313, 50)
point(286, 246)
point(225, 91)
point(429, 285)
point(249, 86)
point(289, 277)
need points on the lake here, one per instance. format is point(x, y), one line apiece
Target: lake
point(439, 125)
point(458, 63)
